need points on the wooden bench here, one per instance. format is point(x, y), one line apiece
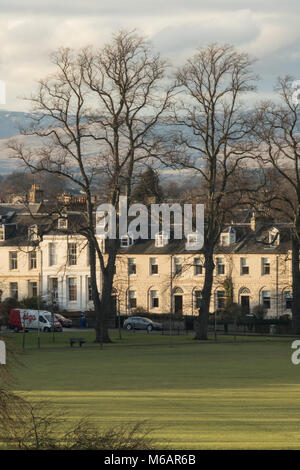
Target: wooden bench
point(80, 341)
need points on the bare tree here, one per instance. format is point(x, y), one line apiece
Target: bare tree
point(278, 132)
point(212, 140)
point(103, 107)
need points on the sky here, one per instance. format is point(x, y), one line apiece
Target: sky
point(31, 29)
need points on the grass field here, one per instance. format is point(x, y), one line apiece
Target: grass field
point(224, 395)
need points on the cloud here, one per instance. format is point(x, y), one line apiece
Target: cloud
point(31, 29)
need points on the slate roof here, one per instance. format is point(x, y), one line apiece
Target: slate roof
point(247, 241)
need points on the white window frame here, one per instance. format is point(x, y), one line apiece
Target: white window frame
point(221, 263)
point(52, 254)
point(244, 265)
point(161, 239)
point(154, 296)
point(13, 260)
point(126, 241)
point(153, 262)
point(132, 296)
point(198, 263)
point(265, 266)
point(131, 262)
point(72, 255)
point(62, 223)
point(32, 261)
point(177, 264)
point(75, 289)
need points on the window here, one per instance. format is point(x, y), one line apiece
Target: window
point(228, 237)
point(224, 240)
point(62, 223)
point(52, 254)
point(132, 299)
point(126, 241)
point(288, 300)
point(53, 287)
point(244, 266)
point(177, 266)
point(220, 299)
point(265, 266)
point(2, 233)
point(72, 254)
point(220, 266)
point(154, 299)
point(72, 288)
point(161, 239)
point(198, 266)
point(274, 237)
point(198, 297)
point(131, 266)
point(193, 241)
point(13, 260)
point(90, 293)
point(33, 232)
point(266, 299)
point(32, 260)
point(32, 289)
point(153, 266)
point(13, 290)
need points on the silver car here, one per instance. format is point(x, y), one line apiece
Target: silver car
point(141, 323)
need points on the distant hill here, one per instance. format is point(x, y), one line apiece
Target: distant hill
point(10, 121)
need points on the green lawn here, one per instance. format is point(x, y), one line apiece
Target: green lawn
point(223, 395)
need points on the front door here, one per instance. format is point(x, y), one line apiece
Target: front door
point(245, 304)
point(178, 304)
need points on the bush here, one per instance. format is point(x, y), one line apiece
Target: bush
point(35, 303)
point(28, 426)
point(5, 308)
point(259, 311)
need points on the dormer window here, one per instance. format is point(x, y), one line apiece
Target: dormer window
point(224, 240)
point(228, 237)
point(126, 241)
point(62, 223)
point(194, 241)
point(274, 237)
point(161, 239)
point(33, 232)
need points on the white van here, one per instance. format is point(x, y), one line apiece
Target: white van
point(32, 320)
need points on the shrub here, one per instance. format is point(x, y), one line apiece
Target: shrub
point(36, 426)
point(259, 311)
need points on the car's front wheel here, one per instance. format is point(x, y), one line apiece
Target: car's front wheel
point(47, 330)
point(129, 326)
point(149, 328)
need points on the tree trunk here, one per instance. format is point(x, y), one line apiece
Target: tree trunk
point(296, 284)
point(100, 306)
point(202, 321)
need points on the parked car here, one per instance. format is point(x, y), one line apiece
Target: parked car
point(32, 320)
point(65, 322)
point(141, 323)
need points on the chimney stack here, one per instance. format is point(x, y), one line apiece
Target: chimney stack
point(35, 194)
point(253, 222)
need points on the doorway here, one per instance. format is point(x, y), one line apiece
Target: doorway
point(178, 304)
point(245, 304)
